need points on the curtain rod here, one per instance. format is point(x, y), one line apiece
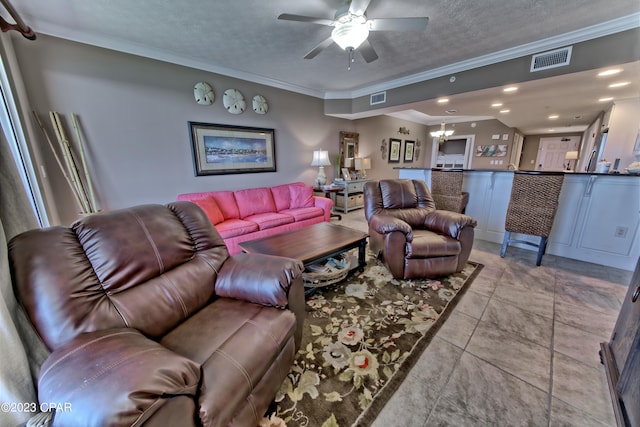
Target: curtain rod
point(19, 26)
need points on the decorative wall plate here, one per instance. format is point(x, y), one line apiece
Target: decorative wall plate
point(260, 105)
point(203, 93)
point(234, 101)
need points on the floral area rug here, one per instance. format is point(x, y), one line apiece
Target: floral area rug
point(361, 337)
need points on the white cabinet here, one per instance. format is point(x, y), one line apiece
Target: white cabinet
point(598, 216)
point(352, 197)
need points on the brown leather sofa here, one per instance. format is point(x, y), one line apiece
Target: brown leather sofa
point(413, 238)
point(151, 322)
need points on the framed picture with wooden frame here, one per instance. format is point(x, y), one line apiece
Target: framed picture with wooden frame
point(394, 150)
point(224, 149)
point(408, 151)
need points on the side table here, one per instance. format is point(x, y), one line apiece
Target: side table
point(330, 194)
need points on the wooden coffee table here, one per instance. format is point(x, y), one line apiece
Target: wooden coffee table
point(313, 243)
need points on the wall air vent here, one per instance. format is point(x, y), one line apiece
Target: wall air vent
point(551, 59)
point(378, 98)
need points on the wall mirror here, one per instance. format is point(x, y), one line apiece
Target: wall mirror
point(348, 149)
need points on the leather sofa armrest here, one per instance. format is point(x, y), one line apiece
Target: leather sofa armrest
point(447, 222)
point(258, 278)
point(385, 224)
point(113, 377)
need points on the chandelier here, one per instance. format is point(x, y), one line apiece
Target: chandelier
point(442, 134)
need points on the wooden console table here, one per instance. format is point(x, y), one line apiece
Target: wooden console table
point(352, 194)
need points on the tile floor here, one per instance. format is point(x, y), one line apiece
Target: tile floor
point(520, 348)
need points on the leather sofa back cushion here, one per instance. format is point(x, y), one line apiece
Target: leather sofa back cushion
point(210, 207)
point(147, 267)
point(301, 197)
point(398, 194)
point(254, 201)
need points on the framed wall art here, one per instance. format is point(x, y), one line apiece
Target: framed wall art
point(224, 149)
point(408, 151)
point(394, 150)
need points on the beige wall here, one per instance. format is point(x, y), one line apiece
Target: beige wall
point(375, 132)
point(134, 113)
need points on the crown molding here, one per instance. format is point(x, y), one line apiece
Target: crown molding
point(603, 29)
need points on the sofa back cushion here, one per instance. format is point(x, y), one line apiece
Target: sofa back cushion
point(210, 207)
point(254, 201)
point(226, 201)
point(148, 267)
point(301, 197)
point(282, 195)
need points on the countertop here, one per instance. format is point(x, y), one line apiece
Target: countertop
point(511, 171)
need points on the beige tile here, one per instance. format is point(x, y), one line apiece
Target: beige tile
point(521, 358)
point(472, 304)
point(565, 415)
point(512, 319)
point(533, 301)
point(583, 387)
point(578, 344)
point(458, 328)
point(479, 394)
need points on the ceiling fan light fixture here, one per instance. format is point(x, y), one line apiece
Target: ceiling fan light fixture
point(350, 34)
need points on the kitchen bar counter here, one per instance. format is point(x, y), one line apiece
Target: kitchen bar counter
point(598, 217)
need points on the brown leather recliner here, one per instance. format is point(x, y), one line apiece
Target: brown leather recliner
point(413, 238)
point(151, 322)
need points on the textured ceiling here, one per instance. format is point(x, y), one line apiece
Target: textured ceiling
point(244, 38)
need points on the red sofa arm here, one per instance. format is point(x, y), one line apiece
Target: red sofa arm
point(326, 204)
point(113, 377)
point(447, 222)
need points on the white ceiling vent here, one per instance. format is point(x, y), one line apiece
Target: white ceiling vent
point(551, 59)
point(378, 98)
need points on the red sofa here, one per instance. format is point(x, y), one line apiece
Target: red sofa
point(253, 213)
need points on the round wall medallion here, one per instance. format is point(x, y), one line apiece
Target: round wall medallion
point(203, 93)
point(260, 105)
point(233, 101)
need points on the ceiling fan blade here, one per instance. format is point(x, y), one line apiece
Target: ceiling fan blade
point(309, 19)
point(319, 48)
point(398, 24)
point(359, 7)
point(367, 51)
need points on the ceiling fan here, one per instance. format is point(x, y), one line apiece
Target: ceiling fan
point(352, 27)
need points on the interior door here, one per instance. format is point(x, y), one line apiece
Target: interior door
point(552, 151)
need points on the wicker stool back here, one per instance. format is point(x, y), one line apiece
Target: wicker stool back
point(446, 190)
point(532, 208)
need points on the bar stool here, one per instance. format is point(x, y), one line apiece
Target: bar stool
point(446, 190)
point(532, 208)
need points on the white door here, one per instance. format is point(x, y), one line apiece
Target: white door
point(552, 151)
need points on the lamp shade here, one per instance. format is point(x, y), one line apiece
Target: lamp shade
point(320, 158)
point(362, 164)
point(348, 162)
point(571, 155)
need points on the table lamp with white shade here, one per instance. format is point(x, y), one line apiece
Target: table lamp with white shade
point(321, 159)
point(569, 156)
point(362, 164)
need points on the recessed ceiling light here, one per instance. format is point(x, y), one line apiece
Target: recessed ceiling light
point(619, 84)
point(496, 104)
point(505, 111)
point(510, 89)
point(553, 116)
point(443, 100)
point(609, 72)
point(606, 99)
point(551, 130)
point(451, 111)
